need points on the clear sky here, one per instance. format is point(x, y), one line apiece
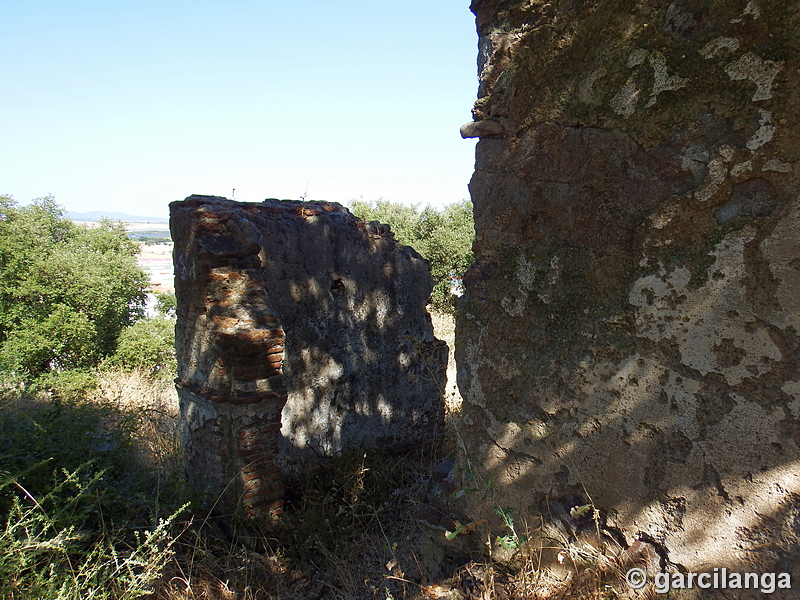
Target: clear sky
point(126, 106)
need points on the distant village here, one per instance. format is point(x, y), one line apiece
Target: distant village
point(155, 258)
point(155, 255)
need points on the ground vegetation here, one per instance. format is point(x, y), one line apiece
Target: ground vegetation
point(92, 496)
point(66, 291)
point(442, 236)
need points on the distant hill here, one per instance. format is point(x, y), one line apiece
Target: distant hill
point(96, 215)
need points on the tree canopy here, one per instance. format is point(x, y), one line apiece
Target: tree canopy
point(443, 237)
point(66, 291)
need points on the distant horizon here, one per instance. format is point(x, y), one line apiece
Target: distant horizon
point(96, 215)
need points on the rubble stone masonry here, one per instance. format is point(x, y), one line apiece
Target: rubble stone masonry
point(301, 329)
point(629, 333)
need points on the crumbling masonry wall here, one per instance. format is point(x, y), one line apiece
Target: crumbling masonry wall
point(300, 329)
point(630, 327)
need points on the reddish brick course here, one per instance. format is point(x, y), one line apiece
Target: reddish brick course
point(223, 308)
point(362, 366)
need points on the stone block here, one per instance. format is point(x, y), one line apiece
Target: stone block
point(630, 329)
point(301, 329)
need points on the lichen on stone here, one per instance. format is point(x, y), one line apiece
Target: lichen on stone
point(753, 68)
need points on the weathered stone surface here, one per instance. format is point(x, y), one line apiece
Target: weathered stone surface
point(485, 128)
point(300, 329)
point(630, 327)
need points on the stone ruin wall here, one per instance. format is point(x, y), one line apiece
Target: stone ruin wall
point(630, 326)
point(301, 329)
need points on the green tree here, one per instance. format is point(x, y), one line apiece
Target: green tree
point(147, 345)
point(62, 340)
point(443, 237)
point(66, 292)
point(166, 304)
point(401, 217)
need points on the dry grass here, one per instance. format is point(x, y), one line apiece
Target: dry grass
point(444, 328)
point(542, 568)
point(153, 403)
point(350, 529)
point(349, 532)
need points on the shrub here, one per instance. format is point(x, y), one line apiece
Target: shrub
point(66, 292)
point(67, 385)
point(64, 339)
point(148, 345)
point(166, 304)
point(443, 237)
point(80, 515)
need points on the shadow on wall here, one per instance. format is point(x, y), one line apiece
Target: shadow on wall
point(362, 364)
point(710, 476)
point(297, 317)
point(630, 329)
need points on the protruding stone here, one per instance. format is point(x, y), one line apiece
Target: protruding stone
point(478, 129)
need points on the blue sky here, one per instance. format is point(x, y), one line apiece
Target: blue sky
point(128, 106)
